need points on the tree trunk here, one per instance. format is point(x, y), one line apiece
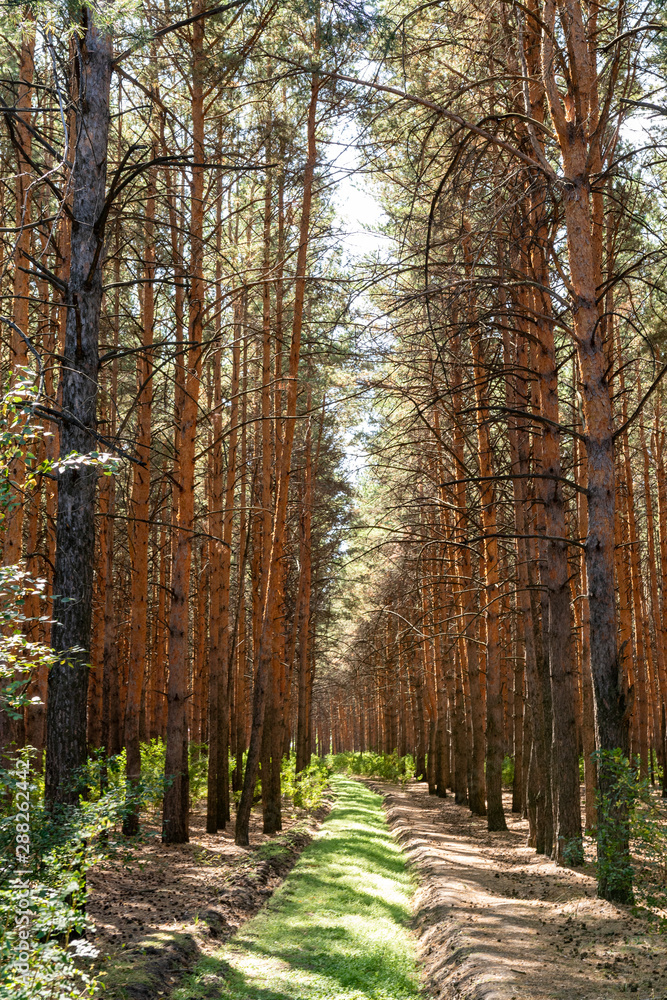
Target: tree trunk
point(494, 699)
point(226, 640)
point(75, 527)
point(477, 783)
point(176, 798)
point(12, 541)
point(572, 127)
point(554, 575)
point(305, 562)
point(139, 526)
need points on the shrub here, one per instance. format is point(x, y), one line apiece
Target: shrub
point(508, 771)
point(370, 764)
point(618, 792)
point(111, 771)
point(305, 789)
point(632, 837)
point(63, 846)
point(197, 769)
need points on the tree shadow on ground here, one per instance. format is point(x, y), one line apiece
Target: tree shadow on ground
point(365, 901)
point(344, 948)
point(375, 851)
point(493, 914)
point(216, 979)
point(342, 962)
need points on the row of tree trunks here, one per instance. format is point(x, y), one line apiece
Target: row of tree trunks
point(270, 604)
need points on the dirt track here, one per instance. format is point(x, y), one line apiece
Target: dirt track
point(157, 906)
point(497, 922)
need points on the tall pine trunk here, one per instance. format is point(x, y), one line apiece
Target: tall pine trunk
point(139, 525)
point(573, 127)
point(75, 525)
point(176, 799)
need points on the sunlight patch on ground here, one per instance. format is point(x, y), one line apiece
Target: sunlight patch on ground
point(336, 929)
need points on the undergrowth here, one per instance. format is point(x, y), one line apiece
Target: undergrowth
point(632, 803)
point(388, 766)
point(66, 843)
point(305, 789)
point(63, 845)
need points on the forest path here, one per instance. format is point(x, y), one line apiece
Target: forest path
point(497, 922)
point(336, 929)
point(157, 907)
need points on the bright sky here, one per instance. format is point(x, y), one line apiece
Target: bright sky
point(359, 216)
point(359, 213)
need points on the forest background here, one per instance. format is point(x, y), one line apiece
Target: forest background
point(265, 497)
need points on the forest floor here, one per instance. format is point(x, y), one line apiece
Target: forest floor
point(337, 929)
point(497, 922)
point(492, 920)
point(156, 907)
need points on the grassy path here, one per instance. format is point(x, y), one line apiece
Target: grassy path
point(335, 930)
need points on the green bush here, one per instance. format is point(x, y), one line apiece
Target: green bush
point(43, 856)
point(619, 791)
point(103, 771)
point(19, 658)
point(153, 783)
point(508, 771)
point(631, 811)
point(197, 769)
point(305, 789)
point(64, 844)
point(657, 767)
point(388, 766)
point(644, 867)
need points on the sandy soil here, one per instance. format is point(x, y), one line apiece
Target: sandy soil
point(496, 922)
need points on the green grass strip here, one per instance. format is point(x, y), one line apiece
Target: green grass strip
point(335, 930)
